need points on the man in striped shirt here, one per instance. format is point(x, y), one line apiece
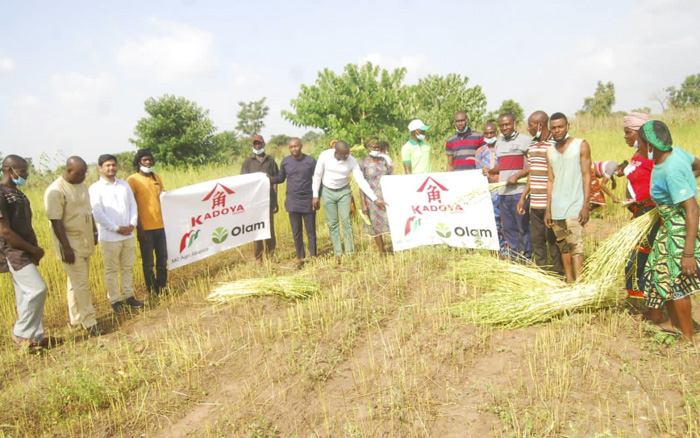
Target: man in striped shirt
point(536, 187)
point(461, 149)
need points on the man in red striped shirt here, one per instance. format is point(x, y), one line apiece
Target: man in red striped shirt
point(536, 187)
point(461, 149)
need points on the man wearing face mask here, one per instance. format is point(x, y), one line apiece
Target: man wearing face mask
point(461, 149)
point(415, 154)
point(542, 237)
point(511, 150)
point(150, 231)
point(486, 160)
point(20, 254)
point(67, 203)
point(261, 162)
point(568, 192)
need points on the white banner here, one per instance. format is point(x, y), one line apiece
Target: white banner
point(206, 218)
point(454, 208)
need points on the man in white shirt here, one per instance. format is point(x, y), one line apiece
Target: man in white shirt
point(114, 209)
point(333, 170)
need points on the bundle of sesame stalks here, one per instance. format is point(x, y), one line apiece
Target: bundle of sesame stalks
point(295, 287)
point(498, 185)
point(516, 295)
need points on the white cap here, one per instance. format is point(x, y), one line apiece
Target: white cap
point(417, 124)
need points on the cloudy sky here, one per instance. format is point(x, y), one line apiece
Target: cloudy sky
point(74, 74)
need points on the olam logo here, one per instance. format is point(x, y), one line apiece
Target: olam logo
point(219, 235)
point(443, 231)
point(188, 239)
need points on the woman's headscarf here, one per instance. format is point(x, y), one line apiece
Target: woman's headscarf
point(635, 120)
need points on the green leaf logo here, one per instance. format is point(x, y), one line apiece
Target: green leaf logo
point(443, 231)
point(219, 235)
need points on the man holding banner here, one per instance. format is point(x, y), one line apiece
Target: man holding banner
point(333, 170)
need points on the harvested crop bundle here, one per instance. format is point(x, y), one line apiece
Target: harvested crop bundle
point(286, 287)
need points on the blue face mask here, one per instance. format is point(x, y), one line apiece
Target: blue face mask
point(636, 144)
point(420, 137)
point(259, 151)
point(466, 128)
point(19, 181)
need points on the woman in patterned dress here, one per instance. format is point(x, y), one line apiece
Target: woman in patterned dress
point(673, 265)
point(374, 167)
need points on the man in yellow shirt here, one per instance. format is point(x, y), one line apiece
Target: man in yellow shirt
point(67, 203)
point(147, 188)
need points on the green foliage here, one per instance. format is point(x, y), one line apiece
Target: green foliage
point(644, 109)
point(250, 117)
point(601, 103)
point(228, 144)
point(507, 106)
point(363, 102)
point(435, 100)
point(176, 131)
point(279, 140)
point(310, 136)
point(688, 95)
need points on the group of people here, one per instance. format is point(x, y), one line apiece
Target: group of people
point(111, 211)
point(540, 217)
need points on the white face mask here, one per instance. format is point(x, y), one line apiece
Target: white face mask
point(374, 154)
point(491, 140)
point(538, 136)
point(420, 137)
point(636, 144)
point(145, 169)
point(651, 154)
point(563, 140)
point(259, 151)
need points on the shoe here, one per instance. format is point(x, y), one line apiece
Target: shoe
point(118, 308)
point(133, 303)
point(299, 263)
point(23, 343)
point(94, 330)
point(48, 342)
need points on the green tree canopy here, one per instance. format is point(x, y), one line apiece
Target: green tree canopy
point(176, 131)
point(279, 140)
point(362, 102)
point(601, 103)
point(228, 144)
point(688, 95)
point(251, 116)
point(435, 99)
point(507, 106)
point(310, 136)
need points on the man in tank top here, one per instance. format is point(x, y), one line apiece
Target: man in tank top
point(568, 191)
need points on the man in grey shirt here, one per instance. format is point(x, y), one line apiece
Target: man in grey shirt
point(511, 150)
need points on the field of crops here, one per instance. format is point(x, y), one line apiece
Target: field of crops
point(377, 353)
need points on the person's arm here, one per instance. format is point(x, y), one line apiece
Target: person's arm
point(550, 187)
point(523, 197)
point(586, 171)
point(606, 190)
point(406, 159)
point(68, 255)
point(273, 194)
point(281, 175)
point(362, 183)
point(516, 176)
point(688, 266)
point(134, 212)
point(450, 166)
point(15, 241)
point(316, 182)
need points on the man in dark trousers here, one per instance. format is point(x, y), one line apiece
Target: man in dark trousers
point(298, 170)
point(261, 162)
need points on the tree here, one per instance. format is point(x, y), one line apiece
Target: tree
point(250, 117)
point(601, 103)
point(310, 137)
point(686, 96)
point(508, 106)
point(279, 140)
point(176, 131)
point(228, 144)
point(435, 99)
point(363, 102)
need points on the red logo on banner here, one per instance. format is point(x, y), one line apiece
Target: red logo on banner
point(433, 189)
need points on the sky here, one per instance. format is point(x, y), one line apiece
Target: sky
point(74, 75)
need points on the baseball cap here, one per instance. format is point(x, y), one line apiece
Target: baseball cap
point(259, 138)
point(418, 124)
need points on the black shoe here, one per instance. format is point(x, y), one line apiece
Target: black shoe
point(118, 308)
point(95, 330)
point(133, 303)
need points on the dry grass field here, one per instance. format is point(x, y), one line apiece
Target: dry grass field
point(376, 354)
